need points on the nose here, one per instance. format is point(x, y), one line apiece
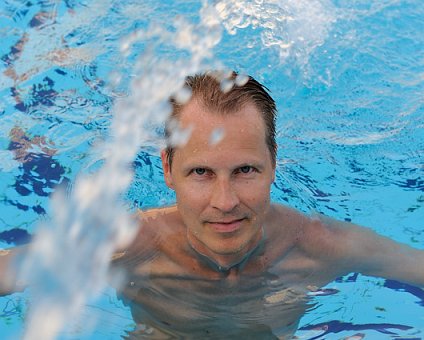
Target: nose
point(224, 197)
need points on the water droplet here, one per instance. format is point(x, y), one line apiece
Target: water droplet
point(180, 136)
point(183, 95)
point(241, 79)
point(216, 136)
point(226, 85)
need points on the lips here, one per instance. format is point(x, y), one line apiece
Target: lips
point(224, 226)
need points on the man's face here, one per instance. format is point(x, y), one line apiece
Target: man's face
point(223, 188)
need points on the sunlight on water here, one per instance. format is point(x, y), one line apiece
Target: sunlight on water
point(295, 28)
point(68, 262)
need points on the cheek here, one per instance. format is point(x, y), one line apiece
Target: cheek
point(255, 192)
point(191, 197)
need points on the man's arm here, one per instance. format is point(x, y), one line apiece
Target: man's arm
point(8, 275)
point(362, 250)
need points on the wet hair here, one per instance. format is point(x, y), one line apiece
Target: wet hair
point(210, 90)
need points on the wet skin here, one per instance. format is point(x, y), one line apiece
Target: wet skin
point(225, 261)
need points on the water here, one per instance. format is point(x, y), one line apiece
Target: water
point(92, 77)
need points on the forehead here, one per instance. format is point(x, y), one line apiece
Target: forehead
point(200, 119)
point(218, 138)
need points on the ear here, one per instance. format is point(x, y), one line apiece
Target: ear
point(166, 169)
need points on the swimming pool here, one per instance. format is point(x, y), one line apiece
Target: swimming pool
point(348, 80)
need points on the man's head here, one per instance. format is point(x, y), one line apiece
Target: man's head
point(207, 89)
point(223, 186)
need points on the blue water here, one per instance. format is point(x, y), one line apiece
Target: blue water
point(348, 80)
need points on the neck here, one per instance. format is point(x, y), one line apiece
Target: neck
point(224, 262)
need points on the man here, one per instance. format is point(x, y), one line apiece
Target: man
point(225, 262)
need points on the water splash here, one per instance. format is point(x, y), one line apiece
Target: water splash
point(68, 261)
point(294, 28)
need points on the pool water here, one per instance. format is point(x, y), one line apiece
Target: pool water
point(348, 80)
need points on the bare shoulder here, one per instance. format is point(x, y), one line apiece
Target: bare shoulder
point(333, 240)
point(324, 236)
point(154, 214)
point(286, 221)
point(153, 226)
point(316, 236)
point(284, 229)
point(312, 249)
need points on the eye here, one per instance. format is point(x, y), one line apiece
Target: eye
point(199, 171)
point(246, 169)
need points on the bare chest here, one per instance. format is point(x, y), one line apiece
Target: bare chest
point(188, 306)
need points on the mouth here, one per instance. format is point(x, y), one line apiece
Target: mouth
point(224, 226)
